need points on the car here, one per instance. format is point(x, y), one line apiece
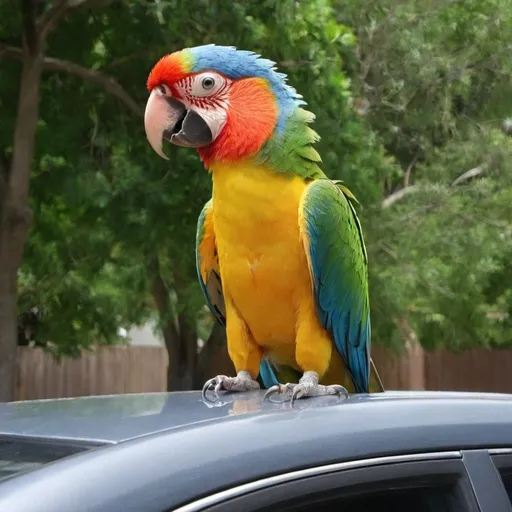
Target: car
point(155, 452)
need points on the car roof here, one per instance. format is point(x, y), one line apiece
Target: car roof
point(115, 418)
point(175, 448)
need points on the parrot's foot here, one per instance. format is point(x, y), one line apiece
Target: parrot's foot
point(307, 386)
point(242, 382)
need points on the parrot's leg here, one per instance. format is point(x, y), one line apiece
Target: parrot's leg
point(313, 351)
point(242, 382)
point(307, 386)
point(243, 352)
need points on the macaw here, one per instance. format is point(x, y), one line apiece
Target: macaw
point(280, 253)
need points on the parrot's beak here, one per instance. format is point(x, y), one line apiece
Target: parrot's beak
point(167, 118)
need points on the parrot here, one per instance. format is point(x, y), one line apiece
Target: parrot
point(280, 254)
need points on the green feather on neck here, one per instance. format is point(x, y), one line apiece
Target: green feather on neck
point(292, 152)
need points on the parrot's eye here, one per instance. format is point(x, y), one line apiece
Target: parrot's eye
point(163, 90)
point(208, 83)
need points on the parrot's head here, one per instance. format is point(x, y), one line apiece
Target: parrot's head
point(225, 102)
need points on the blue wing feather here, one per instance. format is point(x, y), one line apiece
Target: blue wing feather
point(213, 282)
point(338, 266)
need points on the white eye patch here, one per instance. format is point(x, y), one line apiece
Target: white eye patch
point(207, 94)
point(206, 84)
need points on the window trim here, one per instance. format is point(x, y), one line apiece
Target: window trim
point(486, 480)
point(502, 460)
point(500, 451)
point(264, 483)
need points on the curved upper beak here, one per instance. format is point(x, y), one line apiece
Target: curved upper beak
point(167, 118)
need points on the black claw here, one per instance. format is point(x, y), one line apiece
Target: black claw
point(279, 389)
point(296, 394)
point(272, 391)
point(209, 385)
point(217, 388)
point(341, 390)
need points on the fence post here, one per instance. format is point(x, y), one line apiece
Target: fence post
point(415, 366)
point(412, 367)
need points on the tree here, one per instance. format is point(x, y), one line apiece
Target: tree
point(434, 79)
point(118, 172)
point(409, 99)
point(15, 214)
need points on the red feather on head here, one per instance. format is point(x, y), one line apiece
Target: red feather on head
point(168, 70)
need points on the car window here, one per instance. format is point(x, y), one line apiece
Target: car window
point(422, 486)
point(504, 465)
point(506, 477)
point(507, 482)
point(19, 456)
point(428, 499)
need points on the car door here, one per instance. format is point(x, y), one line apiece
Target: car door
point(433, 482)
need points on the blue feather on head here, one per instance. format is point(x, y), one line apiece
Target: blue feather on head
point(237, 64)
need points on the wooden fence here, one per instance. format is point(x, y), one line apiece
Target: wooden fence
point(473, 370)
point(112, 370)
point(108, 370)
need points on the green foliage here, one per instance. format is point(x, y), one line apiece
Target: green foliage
point(436, 81)
point(440, 251)
point(405, 92)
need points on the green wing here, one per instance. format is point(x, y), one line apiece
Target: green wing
point(338, 263)
point(207, 264)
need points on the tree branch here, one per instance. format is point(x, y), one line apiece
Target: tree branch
point(31, 39)
point(50, 18)
point(110, 85)
point(410, 167)
point(472, 173)
point(398, 195)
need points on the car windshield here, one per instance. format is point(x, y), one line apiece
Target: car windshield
point(20, 456)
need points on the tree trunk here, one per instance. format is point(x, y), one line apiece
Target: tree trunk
point(188, 342)
point(414, 375)
point(8, 318)
point(182, 351)
point(213, 358)
point(15, 214)
point(180, 337)
point(176, 369)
